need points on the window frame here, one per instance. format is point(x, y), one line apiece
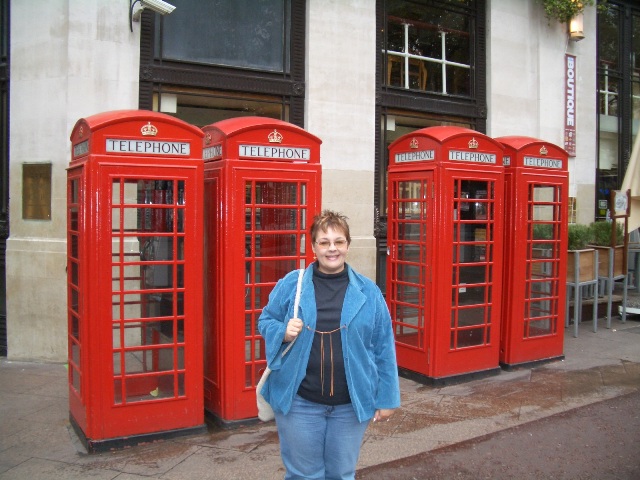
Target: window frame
point(156, 71)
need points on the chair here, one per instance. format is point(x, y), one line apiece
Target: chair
point(419, 72)
point(578, 287)
point(608, 282)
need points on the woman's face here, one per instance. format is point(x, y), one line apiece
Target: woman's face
point(331, 249)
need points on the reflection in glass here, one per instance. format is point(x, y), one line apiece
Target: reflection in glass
point(260, 353)
point(409, 252)
point(249, 324)
point(272, 245)
point(74, 273)
point(260, 293)
point(74, 246)
point(543, 256)
point(473, 237)
point(408, 315)
point(75, 327)
point(156, 249)
point(407, 335)
point(147, 269)
point(248, 354)
point(74, 196)
point(408, 293)
point(411, 231)
point(408, 273)
point(271, 270)
point(73, 219)
point(278, 218)
point(540, 327)
point(75, 379)
point(471, 337)
point(75, 355)
point(469, 295)
point(276, 193)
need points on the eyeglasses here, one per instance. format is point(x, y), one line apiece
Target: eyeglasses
point(340, 243)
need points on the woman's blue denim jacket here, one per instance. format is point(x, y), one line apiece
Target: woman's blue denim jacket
point(368, 344)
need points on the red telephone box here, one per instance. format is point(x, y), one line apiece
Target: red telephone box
point(444, 268)
point(134, 278)
point(535, 266)
point(262, 190)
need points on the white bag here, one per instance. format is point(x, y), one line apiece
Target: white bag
point(265, 412)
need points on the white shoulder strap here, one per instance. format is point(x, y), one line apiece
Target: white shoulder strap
point(296, 304)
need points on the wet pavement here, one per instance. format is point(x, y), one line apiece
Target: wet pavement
point(598, 441)
point(513, 407)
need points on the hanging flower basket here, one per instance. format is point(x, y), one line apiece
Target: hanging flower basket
point(564, 10)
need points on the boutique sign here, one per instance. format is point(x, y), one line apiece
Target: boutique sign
point(570, 105)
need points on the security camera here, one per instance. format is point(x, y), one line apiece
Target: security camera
point(163, 8)
point(158, 6)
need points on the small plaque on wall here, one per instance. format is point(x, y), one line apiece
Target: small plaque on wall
point(36, 191)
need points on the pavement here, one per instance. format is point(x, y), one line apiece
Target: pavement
point(598, 441)
point(37, 441)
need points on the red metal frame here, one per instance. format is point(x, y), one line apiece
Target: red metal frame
point(445, 251)
point(409, 278)
point(537, 184)
point(262, 189)
point(135, 278)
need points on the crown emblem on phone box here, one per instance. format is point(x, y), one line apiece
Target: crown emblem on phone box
point(149, 130)
point(275, 137)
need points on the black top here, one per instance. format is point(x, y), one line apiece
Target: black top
point(325, 381)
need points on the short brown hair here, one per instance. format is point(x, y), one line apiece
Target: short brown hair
point(329, 219)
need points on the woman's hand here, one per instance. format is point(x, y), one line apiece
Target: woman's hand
point(294, 327)
point(382, 415)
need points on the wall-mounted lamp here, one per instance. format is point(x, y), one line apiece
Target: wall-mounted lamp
point(158, 6)
point(576, 28)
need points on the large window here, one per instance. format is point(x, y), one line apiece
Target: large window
point(208, 61)
point(618, 94)
point(431, 71)
point(428, 48)
point(240, 33)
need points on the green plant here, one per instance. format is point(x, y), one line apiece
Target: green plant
point(542, 231)
point(564, 10)
point(601, 232)
point(579, 236)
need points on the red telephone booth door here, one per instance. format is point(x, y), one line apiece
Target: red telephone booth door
point(535, 331)
point(468, 322)
point(409, 266)
point(262, 190)
point(266, 228)
point(536, 183)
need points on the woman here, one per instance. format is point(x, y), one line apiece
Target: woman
point(342, 370)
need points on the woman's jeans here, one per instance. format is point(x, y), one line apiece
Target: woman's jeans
point(319, 441)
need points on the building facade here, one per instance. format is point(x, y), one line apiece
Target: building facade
point(356, 73)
